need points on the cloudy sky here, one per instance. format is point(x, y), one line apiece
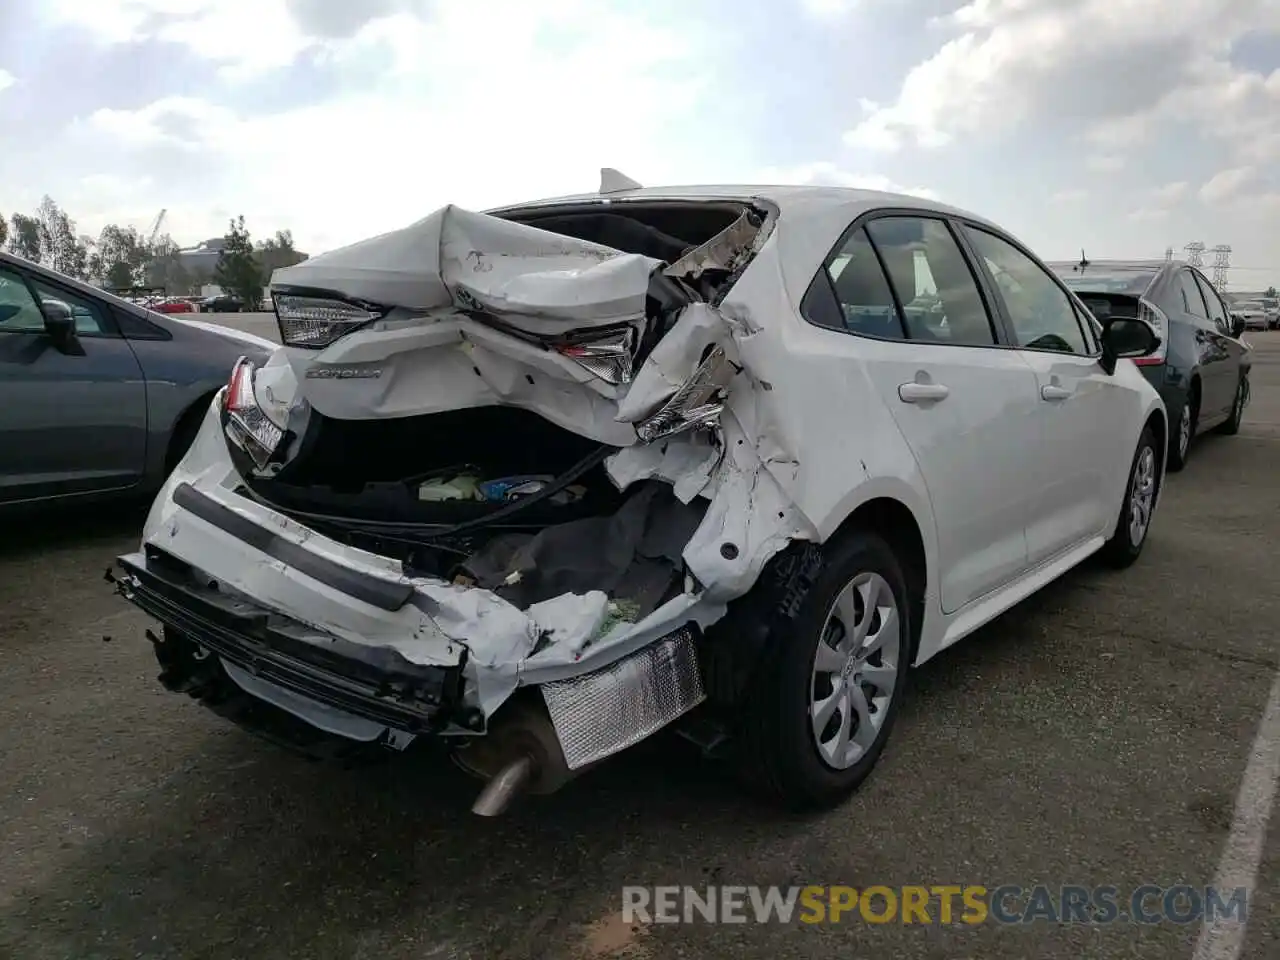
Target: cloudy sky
point(1119, 126)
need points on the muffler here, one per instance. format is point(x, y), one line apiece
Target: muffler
point(520, 754)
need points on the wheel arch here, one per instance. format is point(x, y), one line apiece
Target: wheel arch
point(894, 521)
point(184, 428)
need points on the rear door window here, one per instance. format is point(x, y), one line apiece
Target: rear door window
point(862, 293)
point(1217, 313)
point(1192, 298)
point(940, 298)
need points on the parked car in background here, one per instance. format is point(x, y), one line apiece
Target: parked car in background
point(98, 396)
point(1254, 314)
point(751, 450)
point(1201, 367)
point(173, 305)
point(222, 303)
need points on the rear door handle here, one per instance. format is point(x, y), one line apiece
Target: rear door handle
point(922, 392)
point(1053, 392)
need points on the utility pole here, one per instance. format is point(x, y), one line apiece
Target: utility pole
point(1168, 254)
point(1221, 262)
point(1195, 253)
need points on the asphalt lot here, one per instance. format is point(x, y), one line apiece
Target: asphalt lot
point(1095, 735)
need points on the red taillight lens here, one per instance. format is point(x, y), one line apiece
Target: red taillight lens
point(247, 426)
point(240, 388)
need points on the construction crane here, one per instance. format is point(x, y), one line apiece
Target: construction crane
point(155, 227)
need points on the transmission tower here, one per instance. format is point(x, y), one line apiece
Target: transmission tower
point(1221, 263)
point(1195, 253)
point(1168, 254)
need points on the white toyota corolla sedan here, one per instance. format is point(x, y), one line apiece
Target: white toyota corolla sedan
point(539, 482)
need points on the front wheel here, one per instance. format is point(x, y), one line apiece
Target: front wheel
point(1134, 522)
point(831, 679)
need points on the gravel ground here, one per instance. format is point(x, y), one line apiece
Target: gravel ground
point(1096, 734)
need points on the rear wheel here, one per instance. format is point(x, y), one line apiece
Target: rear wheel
point(1134, 521)
point(1232, 424)
point(1180, 445)
point(829, 687)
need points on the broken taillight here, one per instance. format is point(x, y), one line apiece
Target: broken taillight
point(698, 403)
point(247, 425)
point(609, 356)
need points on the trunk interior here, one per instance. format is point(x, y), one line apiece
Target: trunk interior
point(479, 497)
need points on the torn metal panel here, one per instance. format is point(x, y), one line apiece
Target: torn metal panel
point(458, 259)
point(729, 250)
point(698, 329)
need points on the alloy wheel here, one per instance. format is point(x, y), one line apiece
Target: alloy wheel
point(1142, 491)
point(855, 670)
point(1184, 429)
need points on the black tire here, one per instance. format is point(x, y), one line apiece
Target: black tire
point(1231, 426)
point(1179, 441)
point(778, 753)
point(1123, 548)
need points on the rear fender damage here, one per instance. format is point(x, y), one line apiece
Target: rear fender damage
point(694, 415)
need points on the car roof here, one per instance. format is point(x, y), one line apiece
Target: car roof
point(810, 219)
point(788, 198)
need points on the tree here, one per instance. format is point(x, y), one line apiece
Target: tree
point(120, 257)
point(25, 238)
point(238, 271)
point(277, 253)
point(60, 247)
point(4, 231)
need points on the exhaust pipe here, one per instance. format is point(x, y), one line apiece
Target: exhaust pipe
point(504, 786)
point(520, 754)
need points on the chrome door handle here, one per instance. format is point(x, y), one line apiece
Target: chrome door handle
point(1053, 392)
point(922, 392)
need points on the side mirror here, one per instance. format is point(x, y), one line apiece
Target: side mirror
point(1126, 337)
point(59, 323)
point(1237, 325)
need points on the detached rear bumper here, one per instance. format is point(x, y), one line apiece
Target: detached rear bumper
point(360, 692)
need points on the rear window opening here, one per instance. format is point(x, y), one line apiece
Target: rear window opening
point(665, 230)
point(399, 488)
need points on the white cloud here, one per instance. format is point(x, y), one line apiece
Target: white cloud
point(539, 119)
point(1226, 184)
point(7, 79)
point(1158, 201)
point(1104, 163)
point(1069, 196)
point(1102, 68)
point(828, 9)
point(823, 173)
point(246, 37)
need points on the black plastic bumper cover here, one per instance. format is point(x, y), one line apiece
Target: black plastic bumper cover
point(376, 683)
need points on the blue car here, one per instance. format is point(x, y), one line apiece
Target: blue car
point(99, 397)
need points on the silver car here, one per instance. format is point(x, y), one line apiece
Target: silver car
point(98, 396)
